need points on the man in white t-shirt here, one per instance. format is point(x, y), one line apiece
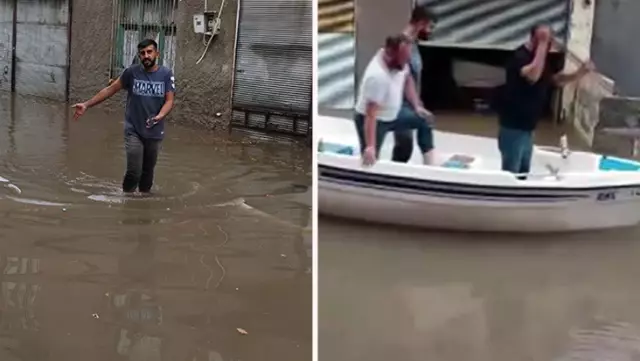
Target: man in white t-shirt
point(385, 83)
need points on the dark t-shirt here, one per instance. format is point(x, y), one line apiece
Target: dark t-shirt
point(523, 102)
point(145, 99)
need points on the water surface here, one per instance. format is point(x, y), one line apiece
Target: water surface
point(88, 274)
point(388, 293)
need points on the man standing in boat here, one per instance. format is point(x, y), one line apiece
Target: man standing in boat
point(384, 84)
point(528, 80)
point(419, 29)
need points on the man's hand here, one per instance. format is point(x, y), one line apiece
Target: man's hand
point(80, 109)
point(151, 122)
point(543, 34)
point(587, 67)
point(369, 156)
point(427, 115)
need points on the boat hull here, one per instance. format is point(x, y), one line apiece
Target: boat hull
point(443, 212)
point(585, 191)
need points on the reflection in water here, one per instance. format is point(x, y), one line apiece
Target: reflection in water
point(92, 275)
point(453, 296)
point(18, 298)
point(139, 347)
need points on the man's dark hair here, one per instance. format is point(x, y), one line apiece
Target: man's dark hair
point(393, 42)
point(146, 42)
point(422, 13)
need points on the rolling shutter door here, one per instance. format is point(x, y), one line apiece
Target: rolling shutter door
point(494, 24)
point(273, 67)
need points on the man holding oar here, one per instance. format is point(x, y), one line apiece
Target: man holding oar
point(151, 92)
point(528, 81)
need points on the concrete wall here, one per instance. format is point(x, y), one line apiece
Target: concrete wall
point(613, 47)
point(370, 35)
point(203, 90)
point(90, 45)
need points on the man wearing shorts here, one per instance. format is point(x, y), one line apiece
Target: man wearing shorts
point(150, 97)
point(384, 84)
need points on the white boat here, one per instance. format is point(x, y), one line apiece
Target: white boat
point(584, 191)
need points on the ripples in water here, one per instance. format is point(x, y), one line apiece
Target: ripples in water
point(613, 341)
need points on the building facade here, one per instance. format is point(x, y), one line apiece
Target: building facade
point(255, 73)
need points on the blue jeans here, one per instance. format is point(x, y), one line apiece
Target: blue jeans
point(403, 138)
point(516, 149)
point(406, 121)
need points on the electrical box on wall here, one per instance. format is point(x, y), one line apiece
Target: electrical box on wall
point(206, 23)
point(199, 24)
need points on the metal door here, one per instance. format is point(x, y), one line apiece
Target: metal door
point(273, 67)
point(42, 48)
point(336, 54)
point(6, 43)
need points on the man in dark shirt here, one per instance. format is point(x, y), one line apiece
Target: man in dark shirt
point(419, 29)
point(151, 91)
point(528, 80)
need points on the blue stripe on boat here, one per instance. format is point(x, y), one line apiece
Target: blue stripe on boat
point(447, 189)
point(329, 147)
point(618, 164)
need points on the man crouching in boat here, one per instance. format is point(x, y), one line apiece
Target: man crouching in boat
point(528, 79)
point(385, 82)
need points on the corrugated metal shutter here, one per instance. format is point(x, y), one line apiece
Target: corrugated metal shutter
point(136, 20)
point(336, 54)
point(495, 24)
point(273, 68)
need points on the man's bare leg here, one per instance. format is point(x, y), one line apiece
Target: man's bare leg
point(428, 158)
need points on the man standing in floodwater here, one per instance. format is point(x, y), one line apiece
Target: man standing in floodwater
point(385, 82)
point(419, 29)
point(151, 90)
point(528, 80)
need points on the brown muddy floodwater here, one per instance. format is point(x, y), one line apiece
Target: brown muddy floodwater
point(87, 274)
point(387, 293)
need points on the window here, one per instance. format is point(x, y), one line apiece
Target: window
point(136, 20)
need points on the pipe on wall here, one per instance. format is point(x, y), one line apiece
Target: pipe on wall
point(69, 34)
point(233, 61)
point(14, 43)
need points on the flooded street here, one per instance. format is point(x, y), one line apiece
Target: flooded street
point(387, 293)
point(215, 266)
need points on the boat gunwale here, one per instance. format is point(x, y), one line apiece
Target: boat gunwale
point(323, 168)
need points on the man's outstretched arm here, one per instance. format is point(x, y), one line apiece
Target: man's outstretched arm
point(102, 95)
point(105, 93)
